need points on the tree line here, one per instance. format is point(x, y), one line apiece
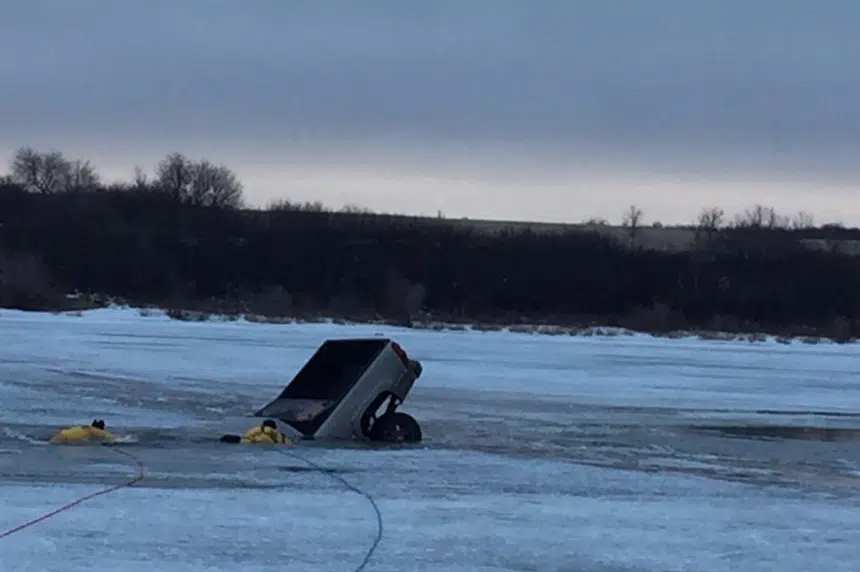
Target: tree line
point(183, 237)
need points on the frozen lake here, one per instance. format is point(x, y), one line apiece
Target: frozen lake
point(541, 453)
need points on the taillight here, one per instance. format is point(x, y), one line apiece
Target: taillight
point(398, 349)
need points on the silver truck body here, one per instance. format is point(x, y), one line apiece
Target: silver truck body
point(339, 391)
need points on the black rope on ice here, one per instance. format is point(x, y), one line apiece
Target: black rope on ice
point(379, 529)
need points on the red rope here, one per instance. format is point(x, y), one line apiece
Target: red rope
point(138, 477)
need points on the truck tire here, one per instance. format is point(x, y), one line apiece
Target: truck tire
point(396, 427)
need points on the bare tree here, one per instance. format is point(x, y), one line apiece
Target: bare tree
point(632, 217)
point(140, 180)
point(710, 219)
point(173, 176)
point(803, 220)
point(775, 220)
point(214, 186)
point(27, 168)
point(708, 222)
point(55, 172)
point(751, 218)
point(40, 172)
point(760, 217)
point(632, 221)
point(82, 175)
point(201, 183)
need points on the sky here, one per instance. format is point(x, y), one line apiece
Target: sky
point(548, 110)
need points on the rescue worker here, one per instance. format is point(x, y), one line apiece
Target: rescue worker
point(84, 433)
point(266, 433)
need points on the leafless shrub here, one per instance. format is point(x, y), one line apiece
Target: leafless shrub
point(184, 315)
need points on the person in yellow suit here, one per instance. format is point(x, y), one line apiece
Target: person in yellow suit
point(267, 433)
point(95, 432)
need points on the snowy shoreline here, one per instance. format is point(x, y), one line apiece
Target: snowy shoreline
point(603, 332)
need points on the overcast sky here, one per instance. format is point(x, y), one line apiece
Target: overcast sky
point(546, 109)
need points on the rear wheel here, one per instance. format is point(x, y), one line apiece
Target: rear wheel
point(396, 427)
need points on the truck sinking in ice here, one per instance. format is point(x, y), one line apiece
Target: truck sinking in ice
point(351, 388)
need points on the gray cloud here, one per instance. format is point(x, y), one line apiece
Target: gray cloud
point(749, 86)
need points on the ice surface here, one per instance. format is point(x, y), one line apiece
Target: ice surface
point(542, 453)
